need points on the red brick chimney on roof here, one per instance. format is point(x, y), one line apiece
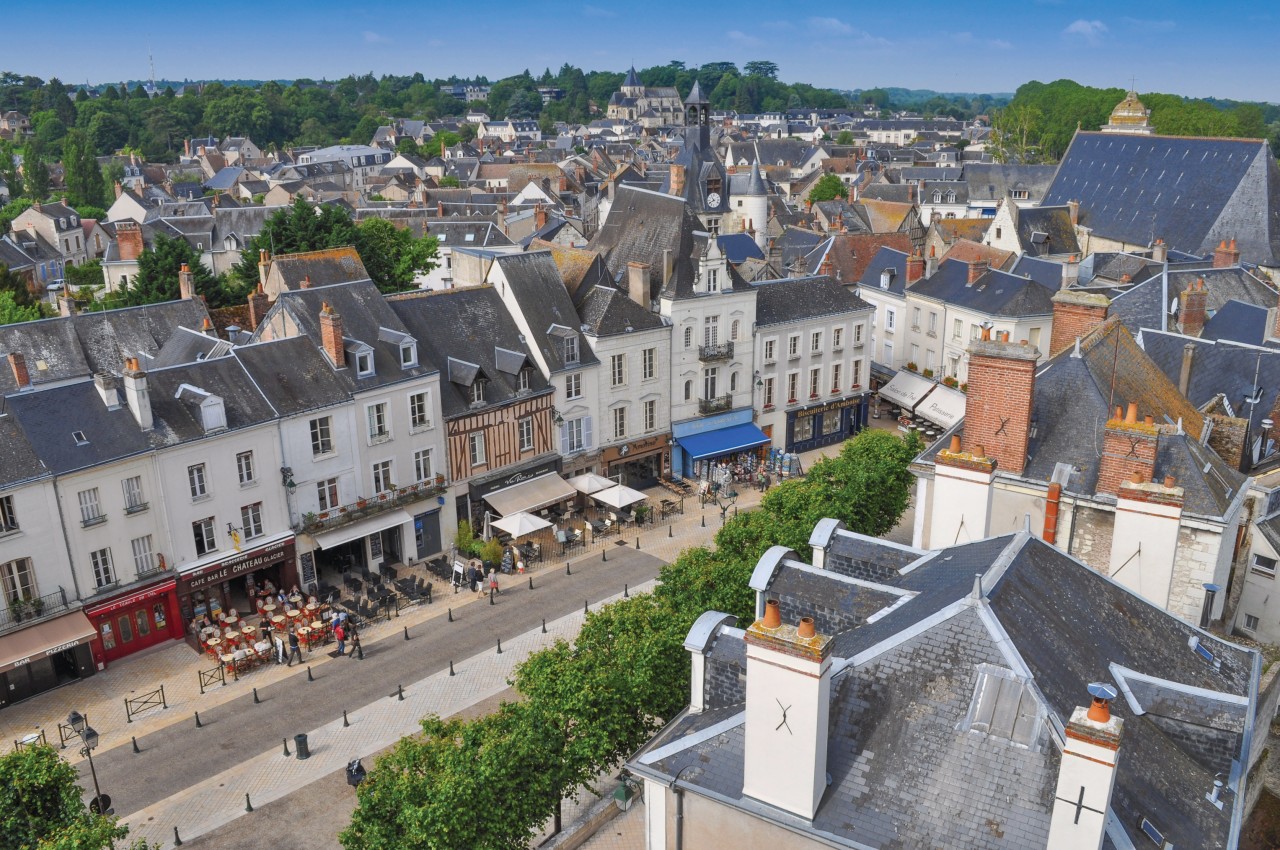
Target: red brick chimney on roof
point(1226, 255)
point(1002, 379)
point(1075, 314)
point(977, 268)
point(129, 240)
point(915, 267)
point(1192, 306)
point(258, 306)
point(331, 336)
point(21, 376)
point(1128, 448)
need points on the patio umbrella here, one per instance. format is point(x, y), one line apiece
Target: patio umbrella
point(520, 524)
point(619, 496)
point(589, 482)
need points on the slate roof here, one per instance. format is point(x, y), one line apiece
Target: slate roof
point(606, 311)
point(993, 181)
point(739, 246)
point(642, 225)
point(467, 324)
point(797, 299)
point(1219, 367)
point(1238, 322)
point(1151, 304)
point(329, 266)
point(886, 259)
point(905, 768)
point(995, 293)
point(1191, 192)
point(293, 375)
point(18, 459)
point(1044, 272)
point(1047, 230)
point(543, 300)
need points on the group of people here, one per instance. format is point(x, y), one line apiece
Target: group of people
point(478, 582)
point(288, 646)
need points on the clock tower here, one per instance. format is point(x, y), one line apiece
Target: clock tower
point(788, 712)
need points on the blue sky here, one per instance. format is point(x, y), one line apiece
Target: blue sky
point(1196, 49)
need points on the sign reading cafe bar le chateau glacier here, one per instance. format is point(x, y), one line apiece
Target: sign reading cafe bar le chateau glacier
point(247, 562)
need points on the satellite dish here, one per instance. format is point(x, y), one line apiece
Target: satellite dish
point(1102, 690)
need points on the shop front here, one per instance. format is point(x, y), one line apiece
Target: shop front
point(523, 488)
point(640, 463)
point(133, 621)
point(730, 441)
point(45, 655)
point(825, 424)
point(232, 582)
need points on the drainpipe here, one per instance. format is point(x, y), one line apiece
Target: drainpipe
point(679, 792)
point(1051, 513)
point(66, 540)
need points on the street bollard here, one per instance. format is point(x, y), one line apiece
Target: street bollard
point(199, 725)
point(256, 701)
point(406, 632)
point(310, 678)
point(346, 724)
point(359, 651)
point(499, 646)
point(135, 745)
point(567, 571)
point(531, 582)
point(248, 806)
point(400, 693)
point(451, 667)
point(604, 555)
point(704, 520)
point(450, 615)
point(625, 591)
point(491, 596)
point(286, 747)
point(544, 625)
point(669, 531)
point(637, 542)
point(177, 839)
point(586, 609)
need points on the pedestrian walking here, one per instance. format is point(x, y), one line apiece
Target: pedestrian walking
point(340, 635)
point(279, 642)
point(295, 651)
point(355, 643)
point(493, 583)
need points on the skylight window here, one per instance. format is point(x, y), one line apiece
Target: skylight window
point(1150, 831)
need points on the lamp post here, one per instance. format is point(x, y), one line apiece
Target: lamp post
point(725, 498)
point(89, 738)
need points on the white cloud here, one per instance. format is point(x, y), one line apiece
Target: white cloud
point(597, 12)
point(1000, 44)
point(739, 37)
point(371, 37)
point(1090, 32)
point(1142, 23)
point(831, 26)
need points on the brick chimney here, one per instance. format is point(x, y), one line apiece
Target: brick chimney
point(931, 264)
point(136, 394)
point(1128, 448)
point(1226, 255)
point(129, 240)
point(915, 267)
point(207, 328)
point(792, 663)
point(331, 336)
point(1144, 541)
point(539, 217)
point(977, 268)
point(1160, 252)
point(119, 190)
point(305, 283)
point(186, 283)
point(1075, 314)
point(1002, 380)
point(1073, 211)
point(258, 307)
point(1086, 775)
point(962, 496)
point(21, 376)
point(1192, 303)
point(677, 179)
point(264, 267)
point(638, 283)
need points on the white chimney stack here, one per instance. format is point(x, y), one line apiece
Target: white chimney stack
point(136, 393)
point(962, 496)
point(788, 712)
point(1087, 774)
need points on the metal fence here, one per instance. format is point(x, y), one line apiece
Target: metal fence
point(136, 705)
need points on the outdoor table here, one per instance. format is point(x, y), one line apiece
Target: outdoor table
point(270, 607)
point(317, 625)
point(278, 619)
point(312, 607)
point(228, 659)
point(232, 620)
point(597, 527)
point(214, 642)
point(296, 599)
point(248, 631)
point(293, 613)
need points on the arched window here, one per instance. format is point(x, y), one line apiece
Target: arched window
point(688, 390)
point(734, 328)
point(733, 382)
point(688, 337)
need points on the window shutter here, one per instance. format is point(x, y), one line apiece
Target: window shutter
point(564, 439)
point(586, 433)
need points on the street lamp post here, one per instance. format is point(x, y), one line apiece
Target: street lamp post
point(89, 738)
point(725, 498)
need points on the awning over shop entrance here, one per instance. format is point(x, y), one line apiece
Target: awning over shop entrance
point(906, 389)
point(735, 438)
point(532, 495)
point(944, 406)
point(44, 640)
point(362, 528)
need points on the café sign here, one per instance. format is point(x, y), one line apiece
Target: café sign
point(246, 562)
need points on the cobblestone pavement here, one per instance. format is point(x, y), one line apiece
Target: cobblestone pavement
point(625, 832)
point(197, 778)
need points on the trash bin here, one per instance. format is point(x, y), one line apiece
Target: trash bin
point(300, 746)
point(355, 772)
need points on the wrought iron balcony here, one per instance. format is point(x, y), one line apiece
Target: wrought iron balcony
point(20, 612)
point(372, 506)
point(715, 351)
point(718, 404)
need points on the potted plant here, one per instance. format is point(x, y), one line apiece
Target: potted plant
point(37, 607)
point(964, 388)
point(640, 513)
point(309, 518)
point(491, 553)
point(911, 366)
point(465, 537)
point(17, 610)
point(949, 381)
point(928, 373)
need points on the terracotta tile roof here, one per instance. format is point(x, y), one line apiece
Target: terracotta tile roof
point(852, 253)
point(966, 252)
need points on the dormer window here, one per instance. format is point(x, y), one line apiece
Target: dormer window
point(408, 355)
point(937, 197)
point(62, 224)
point(713, 280)
point(523, 380)
point(571, 349)
point(886, 278)
point(477, 391)
point(75, 222)
point(364, 364)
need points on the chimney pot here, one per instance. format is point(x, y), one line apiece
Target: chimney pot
point(1131, 415)
point(772, 615)
point(979, 451)
point(805, 629)
point(955, 444)
point(1149, 419)
point(1170, 481)
point(1100, 710)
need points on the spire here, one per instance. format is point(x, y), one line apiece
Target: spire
point(755, 183)
point(632, 81)
point(695, 95)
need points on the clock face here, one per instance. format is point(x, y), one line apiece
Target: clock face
point(713, 199)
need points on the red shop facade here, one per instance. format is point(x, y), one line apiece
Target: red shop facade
point(133, 621)
point(221, 586)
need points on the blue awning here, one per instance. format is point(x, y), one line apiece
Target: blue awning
point(735, 438)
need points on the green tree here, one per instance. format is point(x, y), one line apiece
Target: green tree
point(1015, 133)
point(828, 188)
point(844, 138)
point(35, 173)
point(157, 277)
point(82, 176)
point(299, 228)
point(448, 182)
point(85, 275)
point(10, 173)
point(11, 312)
point(16, 286)
point(12, 210)
point(42, 808)
point(392, 255)
point(761, 69)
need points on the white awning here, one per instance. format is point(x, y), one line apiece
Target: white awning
point(520, 524)
point(944, 406)
point(531, 495)
point(906, 389)
point(619, 496)
point(589, 482)
point(362, 528)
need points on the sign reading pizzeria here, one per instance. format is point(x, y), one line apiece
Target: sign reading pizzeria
point(245, 562)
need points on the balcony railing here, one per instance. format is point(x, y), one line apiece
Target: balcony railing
point(372, 506)
point(18, 613)
point(714, 405)
point(715, 351)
